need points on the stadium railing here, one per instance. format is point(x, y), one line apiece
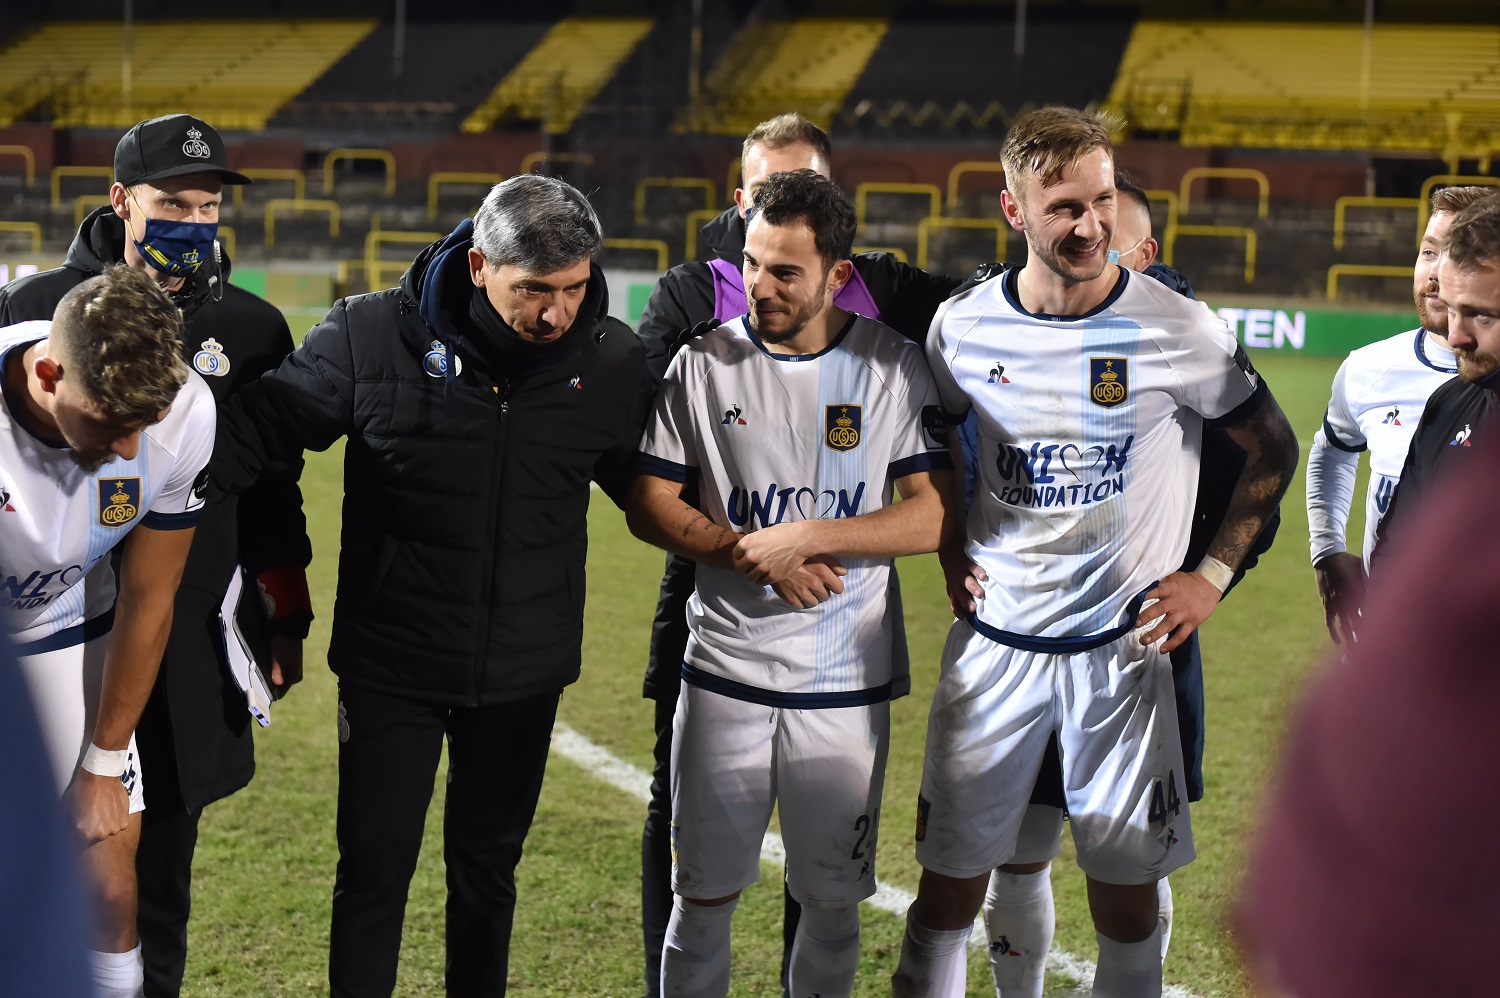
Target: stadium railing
point(436, 181)
point(295, 207)
point(645, 184)
point(61, 173)
point(352, 154)
point(28, 157)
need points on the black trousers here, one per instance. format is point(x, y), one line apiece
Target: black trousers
point(164, 876)
point(388, 757)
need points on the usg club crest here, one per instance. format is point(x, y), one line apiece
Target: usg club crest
point(841, 426)
point(195, 146)
point(435, 363)
point(119, 500)
point(210, 361)
point(1109, 381)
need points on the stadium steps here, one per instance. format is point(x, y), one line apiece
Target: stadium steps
point(233, 73)
point(561, 74)
point(447, 69)
point(807, 65)
point(958, 72)
point(1428, 87)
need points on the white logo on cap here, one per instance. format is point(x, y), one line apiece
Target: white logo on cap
point(195, 146)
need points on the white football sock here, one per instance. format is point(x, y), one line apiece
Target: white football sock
point(934, 962)
point(1019, 915)
point(1164, 914)
point(117, 975)
point(1129, 970)
point(695, 959)
point(825, 954)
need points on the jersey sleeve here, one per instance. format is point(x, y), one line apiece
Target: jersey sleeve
point(1214, 375)
point(667, 449)
point(180, 501)
point(1340, 427)
point(1332, 466)
point(940, 349)
point(921, 437)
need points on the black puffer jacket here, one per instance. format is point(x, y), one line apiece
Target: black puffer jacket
point(461, 576)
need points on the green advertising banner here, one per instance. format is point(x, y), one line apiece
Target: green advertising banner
point(1322, 333)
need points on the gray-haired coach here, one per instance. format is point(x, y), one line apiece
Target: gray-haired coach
point(479, 399)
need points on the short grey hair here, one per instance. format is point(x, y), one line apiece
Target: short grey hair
point(538, 223)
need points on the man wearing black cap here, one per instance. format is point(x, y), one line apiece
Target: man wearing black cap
point(194, 736)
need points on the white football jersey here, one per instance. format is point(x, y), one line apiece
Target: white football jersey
point(59, 522)
point(1090, 429)
point(774, 438)
point(1378, 397)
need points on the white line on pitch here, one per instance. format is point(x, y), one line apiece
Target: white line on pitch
point(605, 765)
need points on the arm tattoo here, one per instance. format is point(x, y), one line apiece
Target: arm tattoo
point(691, 524)
point(1272, 454)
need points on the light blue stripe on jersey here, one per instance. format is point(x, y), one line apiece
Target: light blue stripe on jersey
point(1108, 334)
point(71, 605)
point(843, 379)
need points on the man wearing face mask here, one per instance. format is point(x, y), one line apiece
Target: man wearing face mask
point(194, 735)
point(479, 399)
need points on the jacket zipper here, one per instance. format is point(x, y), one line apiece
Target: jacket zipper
point(503, 391)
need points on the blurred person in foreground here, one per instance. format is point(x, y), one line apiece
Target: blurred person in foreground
point(194, 734)
point(1379, 395)
point(478, 401)
point(44, 921)
point(1397, 727)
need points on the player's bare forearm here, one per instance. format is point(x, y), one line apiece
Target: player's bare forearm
point(911, 526)
point(657, 514)
point(149, 573)
point(1271, 452)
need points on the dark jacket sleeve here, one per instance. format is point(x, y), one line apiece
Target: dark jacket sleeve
point(616, 467)
point(305, 404)
point(682, 298)
point(272, 527)
point(908, 297)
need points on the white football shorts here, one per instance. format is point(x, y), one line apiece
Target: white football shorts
point(732, 761)
point(65, 684)
point(1115, 713)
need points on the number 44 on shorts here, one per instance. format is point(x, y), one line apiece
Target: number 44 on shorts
point(1164, 799)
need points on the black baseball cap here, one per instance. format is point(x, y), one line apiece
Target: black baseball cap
point(173, 145)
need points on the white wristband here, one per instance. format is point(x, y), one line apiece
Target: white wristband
point(1216, 572)
point(102, 763)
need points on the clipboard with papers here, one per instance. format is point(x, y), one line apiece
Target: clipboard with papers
point(247, 643)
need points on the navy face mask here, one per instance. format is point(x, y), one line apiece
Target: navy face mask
point(177, 248)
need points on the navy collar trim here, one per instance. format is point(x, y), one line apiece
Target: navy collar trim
point(795, 358)
point(17, 407)
point(1010, 286)
point(1420, 346)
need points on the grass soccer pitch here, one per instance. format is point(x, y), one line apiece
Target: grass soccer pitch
point(266, 856)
